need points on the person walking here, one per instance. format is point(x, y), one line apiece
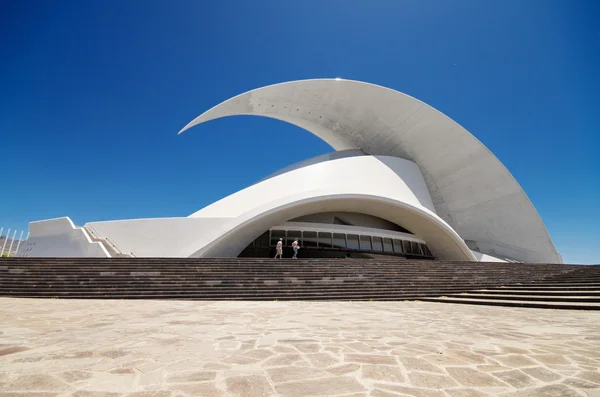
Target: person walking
point(279, 248)
point(295, 247)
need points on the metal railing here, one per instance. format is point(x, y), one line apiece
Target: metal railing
point(7, 242)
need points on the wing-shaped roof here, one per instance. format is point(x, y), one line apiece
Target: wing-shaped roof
point(470, 188)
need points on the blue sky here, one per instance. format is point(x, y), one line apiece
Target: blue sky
point(92, 94)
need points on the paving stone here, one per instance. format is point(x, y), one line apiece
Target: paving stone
point(360, 347)
point(260, 354)
point(491, 368)
point(191, 376)
point(355, 395)
point(515, 361)
point(241, 360)
point(286, 374)
point(201, 389)
point(465, 393)
point(5, 351)
point(370, 359)
point(443, 360)
point(216, 366)
point(27, 394)
point(320, 387)
point(409, 391)
point(580, 383)
point(591, 376)
point(157, 393)
point(322, 360)
point(467, 356)
point(282, 359)
point(381, 393)
point(309, 348)
point(430, 380)
point(516, 378)
point(249, 386)
point(122, 370)
point(550, 358)
point(472, 378)
point(546, 391)
point(91, 393)
point(542, 373)
point(385, 373)
point(74, 376)
point(343, 369)
point(111, 382)
point(284, 349)
point(418, 364)
point(514, 350)
point(37, 382)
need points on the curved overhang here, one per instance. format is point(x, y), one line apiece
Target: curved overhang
point(470, 188)
point(440, 237)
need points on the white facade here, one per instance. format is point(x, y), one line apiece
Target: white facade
point(397, 159)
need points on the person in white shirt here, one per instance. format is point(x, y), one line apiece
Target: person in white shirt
point(279, 249)
point(295, 247)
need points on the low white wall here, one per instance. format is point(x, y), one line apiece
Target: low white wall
point(160, 237)
point(59, 237)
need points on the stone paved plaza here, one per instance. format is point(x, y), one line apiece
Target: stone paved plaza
point(183, 348)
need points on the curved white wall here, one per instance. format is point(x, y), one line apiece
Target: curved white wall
point(370, 175)
point(386, 187)
point(444, 242)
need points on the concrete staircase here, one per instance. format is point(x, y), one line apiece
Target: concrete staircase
point(506, 284)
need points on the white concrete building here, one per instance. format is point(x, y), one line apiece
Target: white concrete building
point(404, 180)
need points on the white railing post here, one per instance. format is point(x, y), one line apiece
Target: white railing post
point(1, 230)
point(4, 245)
point(12, 242)
point(19, 243)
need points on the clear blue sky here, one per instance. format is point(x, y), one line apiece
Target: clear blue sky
point(92, 94)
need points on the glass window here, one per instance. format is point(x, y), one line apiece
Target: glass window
point(365, 243)
point(377, 244)
point(339, 240)
point(325, 240)
point(262, 240)
point(399, 247)
point(293, 235)
point(421, 250)
point(387, 245)
point(309, 239)
point(265, 239)
point(426, 249)
point(414, 248)
point(276, 235)
point(352, 240)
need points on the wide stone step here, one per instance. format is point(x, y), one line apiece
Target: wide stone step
point(552, 298)
point(557, 292)
point(517, 303)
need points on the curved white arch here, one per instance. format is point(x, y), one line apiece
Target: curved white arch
point(387, 187)
point(470, 189)
point(440, 238)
